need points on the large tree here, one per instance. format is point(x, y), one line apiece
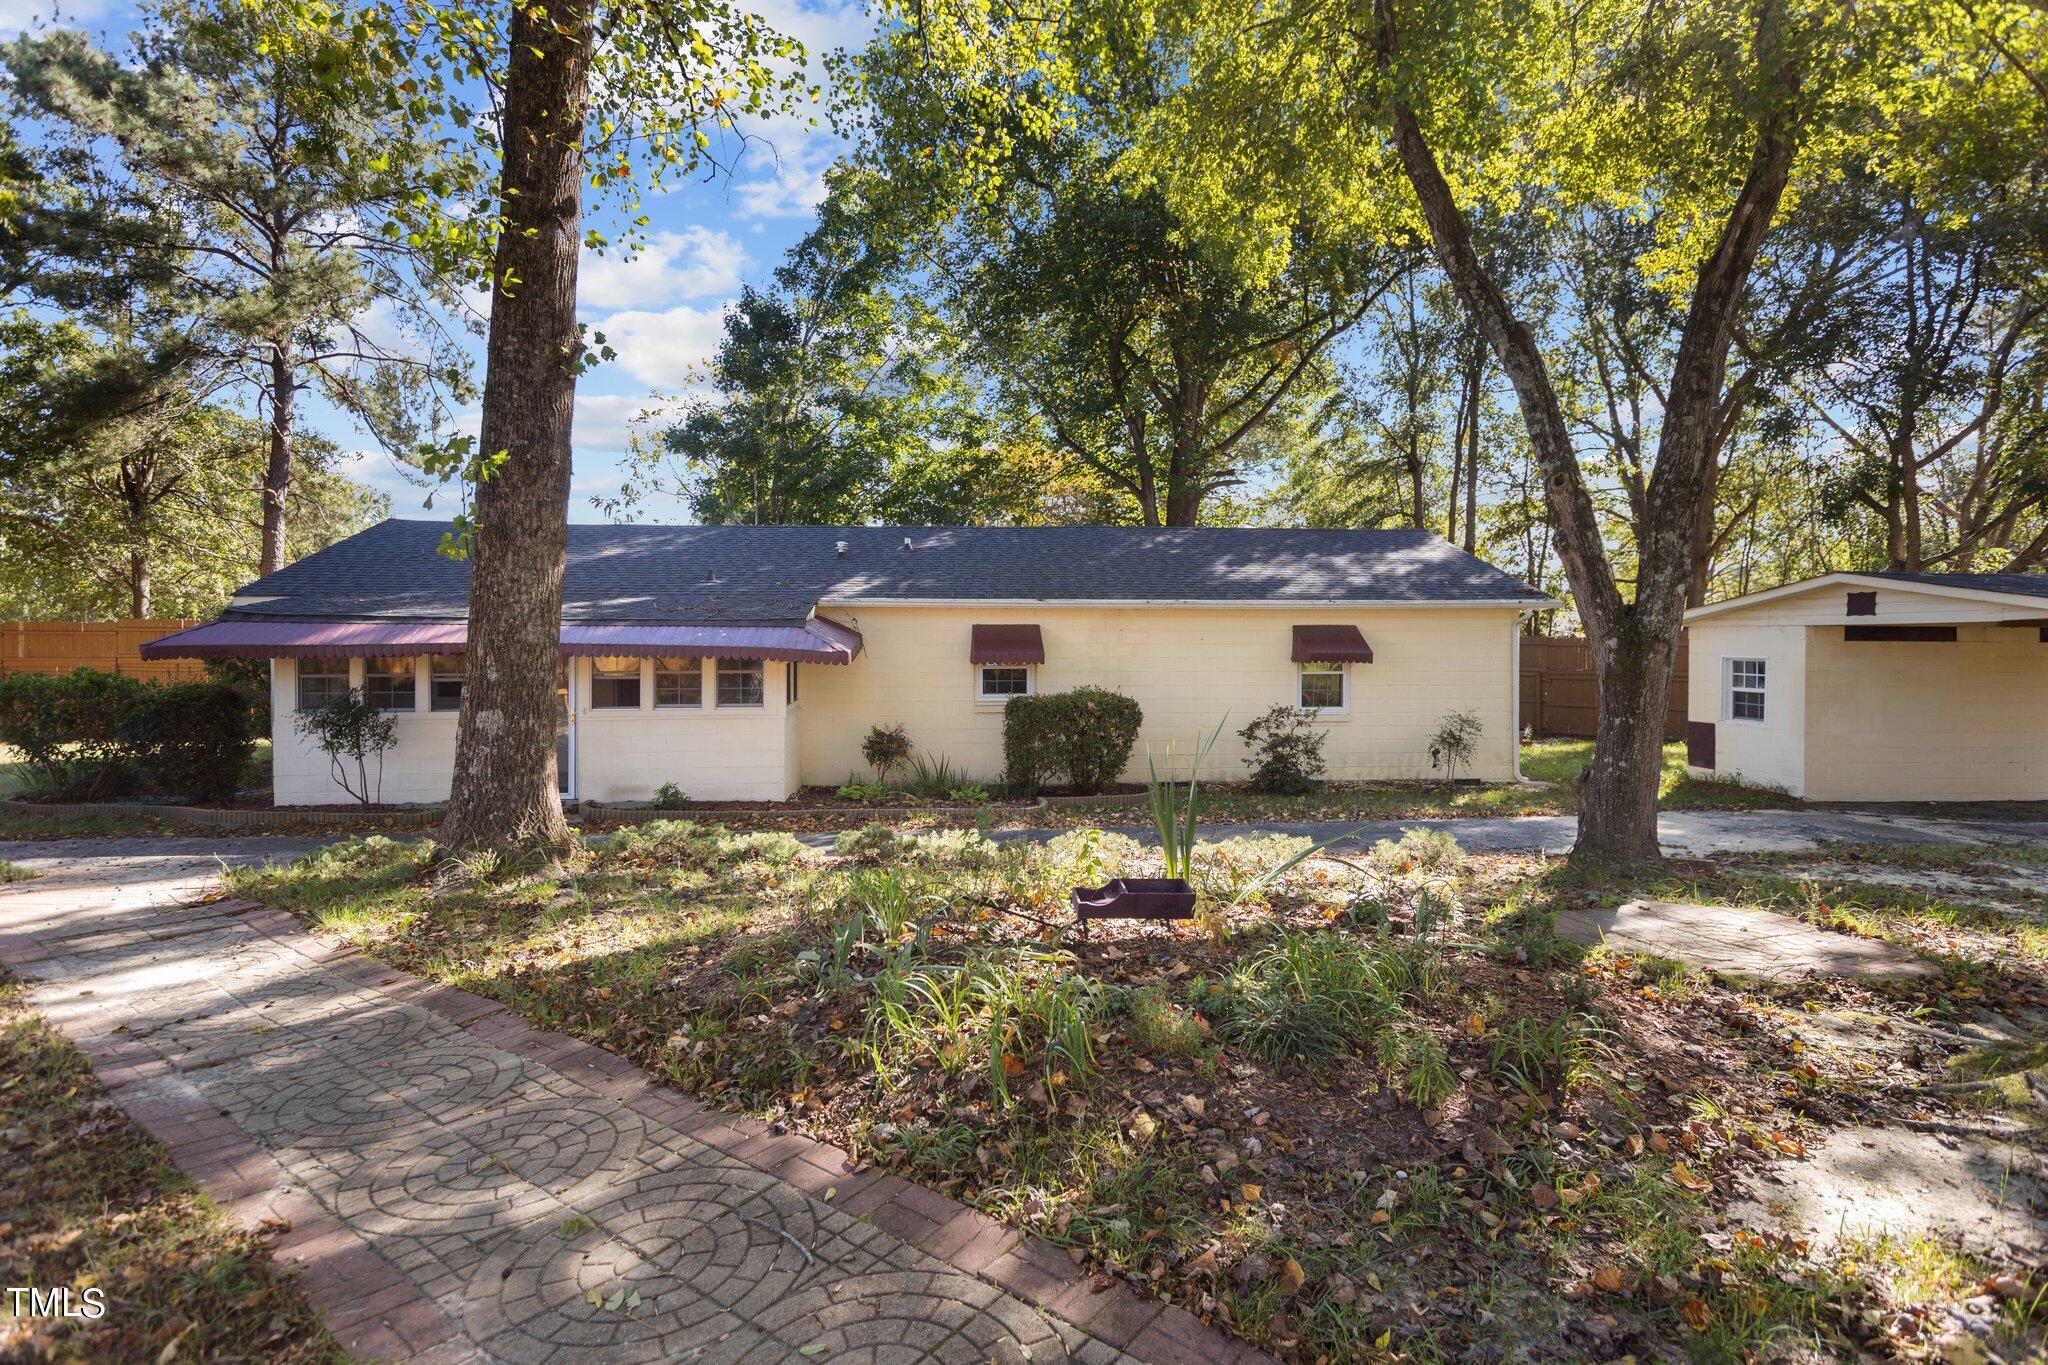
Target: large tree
point(1147, 358)
point(262, 175)
point(1703, 118)
point(534, 102)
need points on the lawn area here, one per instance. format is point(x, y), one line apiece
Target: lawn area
point(1555, 762)
point(1366, 1109)
point(93, 1202)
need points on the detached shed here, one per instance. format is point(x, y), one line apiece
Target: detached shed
point(1876, 687)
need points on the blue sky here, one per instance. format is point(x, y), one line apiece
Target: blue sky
point(661, 310)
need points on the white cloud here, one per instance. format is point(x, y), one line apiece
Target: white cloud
point(18, 15)
point(795, 184)
point(695, 263)
point(664, 348)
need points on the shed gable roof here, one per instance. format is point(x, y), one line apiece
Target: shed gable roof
point(780, 573)
point(1990, 595)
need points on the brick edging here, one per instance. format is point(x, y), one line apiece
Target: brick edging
point(375, 1311)
point(632, 815)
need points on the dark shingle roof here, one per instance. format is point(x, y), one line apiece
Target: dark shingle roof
point(2021, 584)
point(779, 573)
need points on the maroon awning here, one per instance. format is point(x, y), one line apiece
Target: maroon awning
point(1006, 645)
point(1330, 645)
point(307, 639)
point(816, 641)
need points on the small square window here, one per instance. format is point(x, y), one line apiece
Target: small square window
point(678, 682)
point(1000, 682)
point(1323, 687)
point(740, 682)
point(614, 684)
point(391, 684)
point(1746, 690)
point(321, 681)
point(444, 682)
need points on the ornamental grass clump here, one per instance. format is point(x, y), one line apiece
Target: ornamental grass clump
point(1304, 998)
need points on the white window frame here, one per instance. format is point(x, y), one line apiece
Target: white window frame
point(639, 676)
point(984, 697)
point(299, 681)
point(718, 701)
point(1343, 671)
point(413, 672)
point(434, 678)
point(698, 705)
point(1729, 663)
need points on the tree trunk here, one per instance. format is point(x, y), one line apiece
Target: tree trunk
point(505, 791)
point(277, 475)
point(139, 584)
point(1633, 642)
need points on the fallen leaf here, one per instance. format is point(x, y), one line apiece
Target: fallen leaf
point(1292, 1277)
point(1697, 1314)
point(1607, 1279)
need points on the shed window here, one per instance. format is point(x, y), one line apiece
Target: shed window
point(740, 682)
point(614, 684)
point(1745, 689)
point(321, 681)
point(444, 682)
point(391, 684)
point(1324, 687)
point(678, 682)
point(1000, 682)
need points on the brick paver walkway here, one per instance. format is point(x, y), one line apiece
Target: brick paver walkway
point(1739, 940)
point(453, 1185)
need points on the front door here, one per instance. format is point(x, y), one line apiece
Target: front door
point(565, 732)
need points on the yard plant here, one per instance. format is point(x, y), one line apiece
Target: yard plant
point(91, 735)
point(354, 735)
point(1084, 736)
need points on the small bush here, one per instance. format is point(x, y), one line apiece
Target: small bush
point(1418, 850)
point(866, 792)
point(192, 739)
point(353, 734)
point(1084, 736)
point(92, 736)
point(886, 749)
point(1455, 741)
point(871, 843)
point(1286, 751)
point(668, 796)
point(1155, 1024)
point(971, 794)
point(1308, 998)
point(932, 777)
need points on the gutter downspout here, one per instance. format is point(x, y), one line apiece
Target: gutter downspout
point(1515, 696)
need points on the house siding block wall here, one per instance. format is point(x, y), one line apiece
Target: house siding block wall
point(1772, 754)
point(1918, 721)
point(1188, 668)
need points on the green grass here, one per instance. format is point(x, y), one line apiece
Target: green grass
point(13, 872)
point(92, 1200)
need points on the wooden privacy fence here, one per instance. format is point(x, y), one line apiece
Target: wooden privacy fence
point(1561, 699)
point(110, 646)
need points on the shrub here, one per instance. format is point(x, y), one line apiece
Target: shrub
point(972, 794)
point(871, 843)
point(850, 790)
point(886, 749)
point(1457, 736)
point(89, 736)
point(931, 778)
point(352, 733)
point(192, 739)
point(1307, 998)
point(71, 732)
point(1084, 736)
point(250, 677)
point(1286, 751)
point(668, 796)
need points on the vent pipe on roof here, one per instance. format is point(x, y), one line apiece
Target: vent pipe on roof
point(711, 575)
point(906, 542)
point(841, 547)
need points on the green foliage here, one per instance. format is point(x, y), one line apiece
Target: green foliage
point(1084, 736)
point(192, 739)
point(1163, 1027)
point(1287, 751)
point(886, 748)
point(353, 734)
point(668, 796)
point(865, 791)
point(971, 793)
point(1001, 1014)
point(1306, 998)
point(1173, 818)
point(932, 777)
point(71, 732)
point(1454, 742)
point(871, 843)
point(90, 735)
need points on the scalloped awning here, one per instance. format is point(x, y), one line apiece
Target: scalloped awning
point(815, 641)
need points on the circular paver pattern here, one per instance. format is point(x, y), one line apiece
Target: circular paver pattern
point(718, 1231)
